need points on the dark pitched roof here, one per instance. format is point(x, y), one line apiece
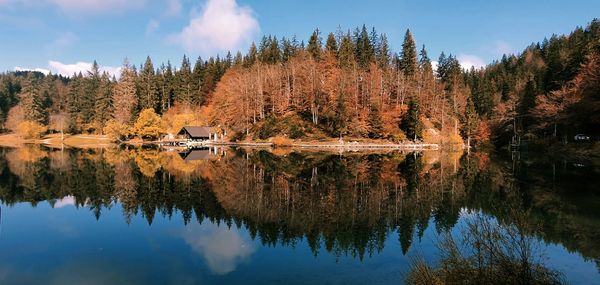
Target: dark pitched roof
point(195, 132)
point(195, 154)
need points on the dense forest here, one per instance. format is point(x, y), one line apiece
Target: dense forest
point(343, 84)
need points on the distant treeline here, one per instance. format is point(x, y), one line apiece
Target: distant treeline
point(351, 84)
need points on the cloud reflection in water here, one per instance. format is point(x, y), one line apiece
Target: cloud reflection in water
point(222, 248)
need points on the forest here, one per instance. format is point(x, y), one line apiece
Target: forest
point(336, 85)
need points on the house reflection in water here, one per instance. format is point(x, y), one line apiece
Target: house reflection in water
point(201, 153)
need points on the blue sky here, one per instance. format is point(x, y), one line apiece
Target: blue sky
point(66, 35)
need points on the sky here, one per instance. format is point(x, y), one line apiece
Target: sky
point(65, 36)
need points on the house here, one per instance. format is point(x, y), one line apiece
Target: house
point(194, 133)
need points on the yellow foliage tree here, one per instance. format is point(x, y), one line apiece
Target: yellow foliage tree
point(148, 125)
point(117, 130)
point(31, 130)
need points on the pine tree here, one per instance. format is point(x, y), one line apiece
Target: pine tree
point(346, 55)
point(425, 62)
point(340, 120)
point(252, 56)
point(91, 84)
point(314, 45)
point(32, 102)
point(183, 90)
point(103, 109)
point(198, 78)
point(383, 52)
point(331, 45)
point(364, 50)
point(411, 124)
point(470, 120)
point(375, 123)
point(147, 89)
point(408, 60)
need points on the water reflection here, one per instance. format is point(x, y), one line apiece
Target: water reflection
point(347, 205)
point(220, 246)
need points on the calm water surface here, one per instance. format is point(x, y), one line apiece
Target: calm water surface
point(260, 217)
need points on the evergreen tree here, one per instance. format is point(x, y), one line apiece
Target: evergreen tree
point(331, 45)
point(147, 89)
point(383, 52)
point(346, 53)
point(32, 102)
point(252, 56)
point(91, 84)
point(314, 45)
point(408, 59)
point(364, 49)
point(375, 123)
point(470, 120)
point(411, 124)
point(340, 120)
point(183, 90)
point(289, 50)
point(425, 62)
point(103, 109)
point(198, 78)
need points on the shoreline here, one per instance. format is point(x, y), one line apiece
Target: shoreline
point(100, 141)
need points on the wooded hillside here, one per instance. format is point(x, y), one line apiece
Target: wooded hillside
point(347, 84)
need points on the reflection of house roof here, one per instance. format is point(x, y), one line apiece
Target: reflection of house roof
point(195, 132)
point(195, 154)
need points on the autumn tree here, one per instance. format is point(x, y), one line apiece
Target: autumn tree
point(125, 95)
point(148, 125)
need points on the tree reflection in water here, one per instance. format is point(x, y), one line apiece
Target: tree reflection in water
point(347, 204)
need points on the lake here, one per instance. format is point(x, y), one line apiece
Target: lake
point(234, 216)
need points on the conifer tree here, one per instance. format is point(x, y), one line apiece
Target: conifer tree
point(252, 56)
point(147, 89)
point(198, 78)
point(346, 55)
point(470, 120)
point(375, 123)
point(103, 109)
point(314, 45)
point(331, 45)
point(32, 102)
point(183, 91)
point(383, 52)
point(411, 124)
point(339, 121)
point(408, 60)
point(91, 84)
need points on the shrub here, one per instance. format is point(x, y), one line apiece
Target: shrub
point(31, 130)
point(296, 132)
point(281, 141)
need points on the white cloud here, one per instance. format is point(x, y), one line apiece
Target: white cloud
point(65, 201)
point(173, 8)
point(78, 7)
point(152, 26)
point(221, 247)
point(222, 25)
point(42, 70)
point(69, 69)
point(467, 61)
